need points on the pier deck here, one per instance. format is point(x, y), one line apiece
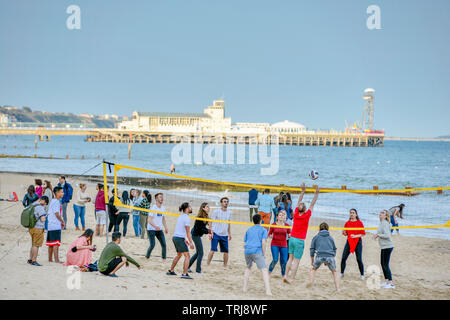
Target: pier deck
point(126, 136)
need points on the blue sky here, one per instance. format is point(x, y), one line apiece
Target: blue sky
point(305, 61)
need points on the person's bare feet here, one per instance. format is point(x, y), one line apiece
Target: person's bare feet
point(285, 280)
point(268, 293)
point(309, 285)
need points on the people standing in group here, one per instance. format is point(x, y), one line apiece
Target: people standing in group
point(254, 251)
point(100, 210)
point(182, 231)
point(279, 244)
point(68, 190)
point(79, 207)
point(80, 251)
point(136, 223)
point(55, 225)
point(155, 223)
point(199, 229)
point(30, 197)
point(265, 204)
point(298, 234)
point(38, 187)
point(113, 212)
point(113, 257)
point(396, 212)
point(37, 232)
point(221, 231)
point(323, 250)
point(124, 213)
point(252, 196)
point(387, 246)
point(143, 215)
point(354, 242)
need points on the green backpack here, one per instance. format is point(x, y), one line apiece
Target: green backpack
point(28, 219)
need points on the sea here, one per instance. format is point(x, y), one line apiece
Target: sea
point(418, 164)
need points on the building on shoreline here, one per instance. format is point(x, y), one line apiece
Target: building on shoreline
point(212, 120)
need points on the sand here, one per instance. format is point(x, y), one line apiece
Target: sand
point(420, 266)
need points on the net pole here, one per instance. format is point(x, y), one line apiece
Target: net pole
point(105, 184)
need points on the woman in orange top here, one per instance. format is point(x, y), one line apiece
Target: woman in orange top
point(354, 242)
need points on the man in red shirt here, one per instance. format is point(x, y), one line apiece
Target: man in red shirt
point(298, 234)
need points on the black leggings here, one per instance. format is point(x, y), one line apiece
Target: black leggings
point(385, 257)
point(358, 253)
point(112, 221)
point(123, 216)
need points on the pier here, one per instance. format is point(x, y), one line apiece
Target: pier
point(317, 138)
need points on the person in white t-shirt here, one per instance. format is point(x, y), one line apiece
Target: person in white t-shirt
point(221, 232)
point(179, 240)
point(156, 221)
point(55, 224)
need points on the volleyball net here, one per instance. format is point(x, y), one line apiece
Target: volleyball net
point(425, 208)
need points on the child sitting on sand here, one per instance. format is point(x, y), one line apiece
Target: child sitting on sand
point(324, 249)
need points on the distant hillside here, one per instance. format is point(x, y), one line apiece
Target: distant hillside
point(25, 114)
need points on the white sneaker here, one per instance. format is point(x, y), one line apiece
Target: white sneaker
point(363, 278)
point(389, 286)
point(342, 275)
point(383, 285)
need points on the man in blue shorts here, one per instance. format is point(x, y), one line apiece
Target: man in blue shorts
point(221, 232)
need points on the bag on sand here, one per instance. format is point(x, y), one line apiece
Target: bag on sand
point(27, 218)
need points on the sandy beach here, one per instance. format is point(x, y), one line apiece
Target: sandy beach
point(420, 266)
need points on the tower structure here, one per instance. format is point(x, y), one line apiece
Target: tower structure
point(367, 118)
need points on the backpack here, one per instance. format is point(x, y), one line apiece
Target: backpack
point(27, 218)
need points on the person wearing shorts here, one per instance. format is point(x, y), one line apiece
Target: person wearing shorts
point(113, 257)
point(182, 229)
point(254, 250)
point(298, 234)
point(55, 224)
point(221, 232)
point(100, 210)
point(37, 232)
point(323, 251)
point(265, 206)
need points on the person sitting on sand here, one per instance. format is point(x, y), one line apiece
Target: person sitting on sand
point(324, 250)
point(37, 232)
point(80, 251)
point(113, 258)
point(298, 234)
point(55, 224)
point(182, 231)
point(254, 250)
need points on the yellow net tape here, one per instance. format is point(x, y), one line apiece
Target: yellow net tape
point(117, 202)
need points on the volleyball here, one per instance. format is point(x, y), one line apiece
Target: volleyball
point(314, 175)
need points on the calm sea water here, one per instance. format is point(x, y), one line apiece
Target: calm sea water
point(396, 165)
